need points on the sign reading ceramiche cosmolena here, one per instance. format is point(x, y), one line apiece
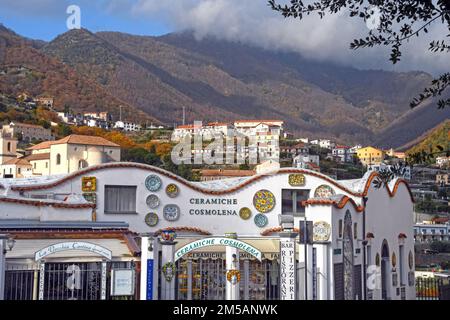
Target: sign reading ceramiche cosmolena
point(65, 246)
point(218, 241)
point(210, 210)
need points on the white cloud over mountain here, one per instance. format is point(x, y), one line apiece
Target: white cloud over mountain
point(253, 22)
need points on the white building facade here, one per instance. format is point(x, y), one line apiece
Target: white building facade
point(233, 227)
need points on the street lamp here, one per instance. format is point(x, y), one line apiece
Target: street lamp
point(7, 243)
point(10, 243)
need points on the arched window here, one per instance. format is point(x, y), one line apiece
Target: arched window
point(58, 159)
point(9, 147)
point(385, 271)
point(82, 164)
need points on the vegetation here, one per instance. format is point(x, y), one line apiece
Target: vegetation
point(440, 246)
point(436, 144)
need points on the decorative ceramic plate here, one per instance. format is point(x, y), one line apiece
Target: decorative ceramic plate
point(171, 212)
point(153, 183)
point(261, 220)
point(172, 190)
point(153, 201)
point(264, 201)
point(245, 213)
point(151, 219)
point(323, 191)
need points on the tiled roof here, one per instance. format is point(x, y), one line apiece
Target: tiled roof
point(258, 121)
point(38, 156)
point(42, 145)
point(76, 139)
point(28, 125)
point(18, 161)
point(217, 124)
point(90, 140)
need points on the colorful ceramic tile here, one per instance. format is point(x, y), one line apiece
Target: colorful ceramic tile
point(297, 180)
point(264, 201)
point(172, 190)
point(171, 212)
point(151, 219)
point(153, 201)
point(153, 183)
point(323, 191)
point(89, 184)
point(245, 213)
point(261, 220)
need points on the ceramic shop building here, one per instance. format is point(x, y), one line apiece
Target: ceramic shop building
point(234, 237)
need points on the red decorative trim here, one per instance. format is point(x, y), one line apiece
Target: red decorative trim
point(269, 231)
point(40, 203)
point(402, 236)
point(341, 204)
point(206, 191)
point(184, 229)
point(370, 235)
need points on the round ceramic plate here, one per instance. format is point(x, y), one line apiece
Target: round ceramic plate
point(171, 212)
point(151, 219)
point(153, 183)
point(261, 220)
point(245, 213)
point(153, 201)
point(264, 201)
point(172, 190)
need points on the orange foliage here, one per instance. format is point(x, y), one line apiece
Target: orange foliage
point(163, 149)
point(44, 114)
point(123, 140)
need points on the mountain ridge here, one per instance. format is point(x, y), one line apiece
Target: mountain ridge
point(220, 80)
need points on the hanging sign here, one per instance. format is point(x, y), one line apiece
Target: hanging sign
point(66, 246)
point(218, 241)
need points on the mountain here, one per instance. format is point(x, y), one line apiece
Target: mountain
point(438, 136)
point(405, 130)
point(24, 68)
point(220, 80)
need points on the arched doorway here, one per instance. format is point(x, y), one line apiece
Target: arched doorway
point(384, 270)
point(348, 257)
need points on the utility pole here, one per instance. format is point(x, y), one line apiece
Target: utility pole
point(184, 115)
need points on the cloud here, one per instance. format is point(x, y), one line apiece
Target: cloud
point(253, 22)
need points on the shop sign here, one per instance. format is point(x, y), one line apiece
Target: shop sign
point(149, 279)
point(287, 269)
point(218, 241)
point(122, 282)
point(66, 246)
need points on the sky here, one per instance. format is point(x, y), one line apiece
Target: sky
point(247, 21)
